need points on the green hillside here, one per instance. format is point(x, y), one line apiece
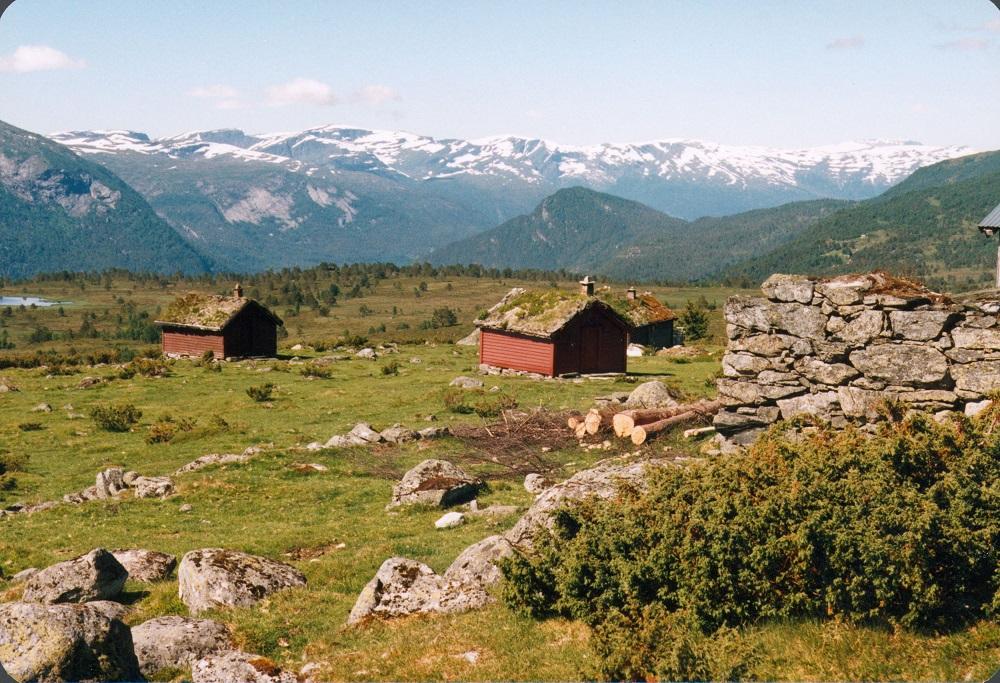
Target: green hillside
point(59, 211)
point(707, 245)
point(928, 232)
point(575, 228)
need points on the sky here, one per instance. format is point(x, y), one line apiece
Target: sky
point(782, 73)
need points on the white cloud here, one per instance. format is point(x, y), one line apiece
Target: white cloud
point(27, 58)
point(848, 43)
point(376, 94)
point(966, 44)
point(214, 92)
point(301, 91)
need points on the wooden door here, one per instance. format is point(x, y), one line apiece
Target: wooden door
point(590, 349)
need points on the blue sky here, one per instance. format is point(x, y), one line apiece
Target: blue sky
point(784, 73)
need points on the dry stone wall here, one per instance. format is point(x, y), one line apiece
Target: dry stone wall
point(836, 348)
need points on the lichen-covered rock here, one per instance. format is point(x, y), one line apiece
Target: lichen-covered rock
point(860, 403)
point(94, 576)
point(153, 487)
point(239, 667)
point(909, 364)
point(761, 315)
point(146, 565)
point(176, 642)
point(790, 288)
point(435, 482)
point(653, 394)
point(603, 481)
point(859, 329)
point(398, 434)
point(450, 520)
point(845, 291)
point(770, 345)
point(536, 483)
point(402, 587)
point(109, 608)
point(832, 374)
point(976, 338)
point(979, 377)
point(919, 325)
point(477, 563)
point(110, 482)
point(820, 404)
point(64, 643)
point(464, 382)
point(215, 577)
point(364, 431)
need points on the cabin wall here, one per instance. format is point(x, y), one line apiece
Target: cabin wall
point(192, 343)
point(658, 335)
point(508, 350)
point(592, 342)
point(251, 333)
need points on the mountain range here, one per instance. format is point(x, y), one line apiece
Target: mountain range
point(337, 193)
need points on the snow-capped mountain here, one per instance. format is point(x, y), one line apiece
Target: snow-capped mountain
point(343, 193)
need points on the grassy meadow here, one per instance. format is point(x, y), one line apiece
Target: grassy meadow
point(332, 524)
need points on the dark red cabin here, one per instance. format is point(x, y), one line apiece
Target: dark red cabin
point(226, 326)
point(554, 333)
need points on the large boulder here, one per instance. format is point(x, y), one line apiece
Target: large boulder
point(472, 339)
point(176, 642)
point(919, 325)
point(239, 667)
point(398, 434)
point(146, 565)
point(402, 587)
point(94, 576)
point(476, 565)
point(653, 394)
point(64, 643)
point(214, 577)
point(435, 482)
point(110, 482)
point(603, 481)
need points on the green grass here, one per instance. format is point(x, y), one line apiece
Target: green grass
point(267, 507)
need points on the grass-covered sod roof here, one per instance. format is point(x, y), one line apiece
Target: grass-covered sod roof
point(207, 311)
point(542, 313)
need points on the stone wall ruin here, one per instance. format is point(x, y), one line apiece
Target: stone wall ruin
point(836, 348)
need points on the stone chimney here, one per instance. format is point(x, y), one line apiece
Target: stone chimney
point(238, 291)
point(587, 286)
point(630, 294)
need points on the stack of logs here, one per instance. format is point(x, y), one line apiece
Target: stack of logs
point(641, 423)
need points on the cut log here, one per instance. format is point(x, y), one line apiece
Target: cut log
point(573, 421)
point(627, 420)
point(592, 422)
point(698, 431)
point(642, 432)
point(580, 430)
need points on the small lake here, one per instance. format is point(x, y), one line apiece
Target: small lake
point(28, 301)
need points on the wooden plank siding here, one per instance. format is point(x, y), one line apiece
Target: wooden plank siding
point(193, 343)
point(507, 350)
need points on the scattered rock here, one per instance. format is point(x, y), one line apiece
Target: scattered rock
point(186, 507)
point(214, 577)
point(464, 382)
point(88, 382)
point(153, 487)
point(215, 459)
point(42, 408)
point(64, 643)
point(309, 467)
point(94, 576)
point(653, 394)
point(635, 351)
point(344, 441)
point(110, 482)
point(233, 666)
point(435, 482)
point(129, 478)
point(176, 642)
point(147, 566)
point(364, 431)
point(602, 481)
point(449, 520)
point(971, 409)
point(398, 434)
point(433, 432)
point(366, 354)
point(472, 657)
point(536, 483)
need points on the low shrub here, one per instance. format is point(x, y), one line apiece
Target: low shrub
point(316, 370)
point(161, 432)
point(30, 427)
point(115, 418)
point(11, 462)
point(261, 393)
point(391, 368)
point(478, 401)
point(899, 529)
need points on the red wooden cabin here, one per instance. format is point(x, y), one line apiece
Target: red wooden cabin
point(226, 326)
point(554, 333)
